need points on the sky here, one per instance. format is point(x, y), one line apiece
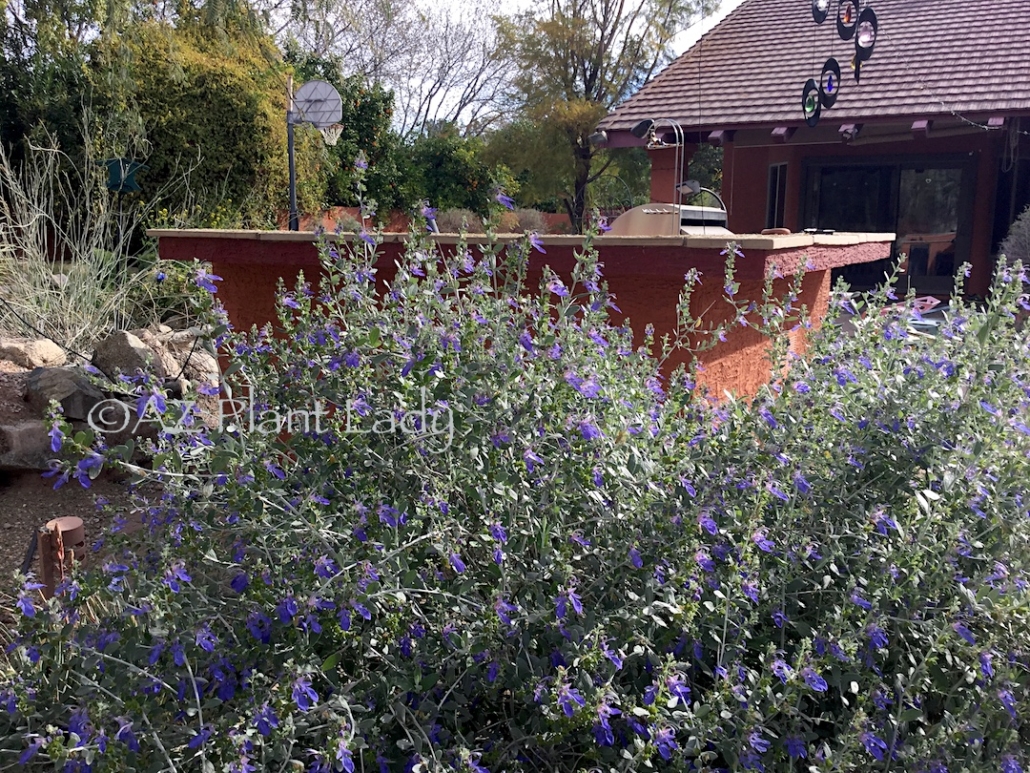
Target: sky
point(690, 36)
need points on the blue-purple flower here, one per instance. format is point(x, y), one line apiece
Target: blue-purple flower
point(304, 694)
point(814, 680)
point(569, 699)
point(206, 281)
point(505, 201)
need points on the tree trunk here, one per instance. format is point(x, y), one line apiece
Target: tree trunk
point(577, 205)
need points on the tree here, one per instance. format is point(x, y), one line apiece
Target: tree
point(577, 59)
point(449, 171)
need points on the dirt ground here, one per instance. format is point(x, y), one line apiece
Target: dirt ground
point(27, 501)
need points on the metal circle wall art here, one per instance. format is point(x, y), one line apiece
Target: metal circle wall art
point(811, 103)
point(847, 18)
point(853, 23)
point(820, 10)
point(866, 37)
point(829, 82)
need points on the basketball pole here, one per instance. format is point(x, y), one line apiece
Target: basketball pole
point(294, 217)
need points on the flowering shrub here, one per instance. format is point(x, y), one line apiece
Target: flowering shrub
point(467, 526)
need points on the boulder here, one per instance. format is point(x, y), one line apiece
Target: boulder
point(123, 352)
point(189, 359)
point(32, 352)
point(70, 388)
point(25, 445)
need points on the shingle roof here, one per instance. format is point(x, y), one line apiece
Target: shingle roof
point(932, 58)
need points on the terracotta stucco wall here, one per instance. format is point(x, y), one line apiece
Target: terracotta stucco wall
point(645, 279)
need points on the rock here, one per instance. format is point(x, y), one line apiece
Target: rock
point(32, 353)
point(123, 352)
point(169, 365)
point(70, 388)
point(25, 446)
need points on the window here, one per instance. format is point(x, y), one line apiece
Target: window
point(776, 200)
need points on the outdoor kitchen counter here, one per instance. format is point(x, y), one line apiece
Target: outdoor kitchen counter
point(645, 273)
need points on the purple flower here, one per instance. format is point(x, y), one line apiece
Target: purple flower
point(240, 582)
point(635, 559)
point(56, 436)
point(505, 201)
point(1008, 701)
point(706, 522)
point(757, 742)
point(569, 699)
point(125, 734)
point(1010, 764)
point(200, 738)
point(964, 632)
point(457, 563)
point(24, 603)
point(678, 688)
point(612, 655)
point(536, 243)
point(704, 561)
point(761, 538)
point(325, 567)
point(795, 747)
point(985, 664)
point(260, 627)
point(362, 610)
point(31, 752)
point(877, 638)
point(588, 430)
point(665, 742)
point(856, 598)
point(304, 694)
point(206, 281)
point(265, 720)
point(781, 670)
point(499, 533)
point(814, 680)
point(505, 610)
point(205, 639)
point(531, 460)
point(287, 609)
point(557, 287)
point(874, 745)
point(175, 575)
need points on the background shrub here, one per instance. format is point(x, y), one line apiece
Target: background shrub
point(513, 545)
point(1016, 245)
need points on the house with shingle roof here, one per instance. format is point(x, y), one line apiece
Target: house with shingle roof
point(931, 143)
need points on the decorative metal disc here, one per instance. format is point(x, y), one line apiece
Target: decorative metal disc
point(820, 10)
point(865, 37)
point(829, 82)
point(847, 18)
point(318, 103)
point(810, 102)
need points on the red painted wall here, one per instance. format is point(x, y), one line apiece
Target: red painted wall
point(646, 280)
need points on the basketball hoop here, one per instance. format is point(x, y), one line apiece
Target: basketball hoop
point(331, 133)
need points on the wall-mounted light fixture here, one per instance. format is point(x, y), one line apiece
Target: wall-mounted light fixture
point(648, 129)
